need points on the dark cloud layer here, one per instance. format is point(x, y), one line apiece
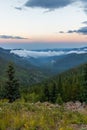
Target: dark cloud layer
point(11, 37)
point(82, 30)
point(48, 4)
point(54, 4)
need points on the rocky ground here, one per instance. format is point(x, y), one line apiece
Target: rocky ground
point(43, 116)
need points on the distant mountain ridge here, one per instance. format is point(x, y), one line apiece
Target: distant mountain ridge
point(54, 60)
point(25, 71)
point(37, 65)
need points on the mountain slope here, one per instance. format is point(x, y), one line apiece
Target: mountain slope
point(56, 60)
point(31, 69)
point(69, 61)
point(67, 86)
point(25, 71)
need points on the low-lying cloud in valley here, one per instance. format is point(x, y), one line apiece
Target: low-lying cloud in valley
point(36, 54)
point(50, 53)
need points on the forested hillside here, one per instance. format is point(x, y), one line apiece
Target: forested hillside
point(68, 86)
point(25, 71)
point(49, 105)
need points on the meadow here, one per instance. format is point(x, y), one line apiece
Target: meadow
point(21, 115)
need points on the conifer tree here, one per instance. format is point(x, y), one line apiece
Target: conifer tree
point(46, 92)
point(59, 100)
point(54, 92)
point(85, 84)
point(83, 91)
point(60, 87)
point(12, 85)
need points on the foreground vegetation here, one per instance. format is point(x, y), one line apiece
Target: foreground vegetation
point(36, 107)
point(40, 116)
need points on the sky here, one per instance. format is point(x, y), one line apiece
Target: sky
point(43, 23)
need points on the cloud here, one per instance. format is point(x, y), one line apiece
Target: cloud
point(72, 31)
point(38, 54)
point(82, 30)
point(54, 4)
point(61, 32)
point(48, 4)
point(18, 8)
point(84, 2)
point(85, 22)
point(11, 37)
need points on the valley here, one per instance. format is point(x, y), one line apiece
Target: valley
point(52, 90)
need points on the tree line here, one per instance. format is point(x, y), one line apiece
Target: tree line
point(65, 87)
point(68, 86)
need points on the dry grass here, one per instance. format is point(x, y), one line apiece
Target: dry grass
point(40, 116)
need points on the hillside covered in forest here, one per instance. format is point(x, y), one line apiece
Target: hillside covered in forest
point(33, 99)
point(67, 86)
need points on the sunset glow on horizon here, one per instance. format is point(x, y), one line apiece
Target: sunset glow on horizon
point(51, 21)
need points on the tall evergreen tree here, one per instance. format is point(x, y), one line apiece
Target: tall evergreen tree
point(83, 93)
point(46, 92)
point(54, 93)
point(60, 86)
point(12, 85)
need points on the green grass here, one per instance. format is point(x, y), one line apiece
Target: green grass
point(28, 116)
